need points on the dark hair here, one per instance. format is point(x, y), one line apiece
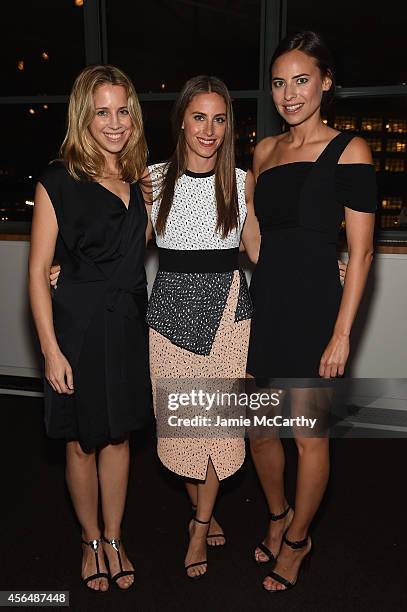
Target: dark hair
point(313, 45)
point(225, 174)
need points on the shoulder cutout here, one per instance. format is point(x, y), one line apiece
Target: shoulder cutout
point(357, 152)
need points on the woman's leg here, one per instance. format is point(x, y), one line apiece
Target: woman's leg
point(82, 481)
point(113, 467)
point(312, 478)
point(218, 538)
point(207, 492)
point(269, 460)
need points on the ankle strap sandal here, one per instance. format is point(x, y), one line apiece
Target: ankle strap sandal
point(116, 543)
point(94, 545)
point(295, 545)
point(211, 535)
point(198, 562)
point(264, 549)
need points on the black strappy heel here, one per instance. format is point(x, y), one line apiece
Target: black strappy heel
point(94, 544)
point(115, 543)
point(211, 535)
point(305, 562)
point(264, 549)
point(199, 562)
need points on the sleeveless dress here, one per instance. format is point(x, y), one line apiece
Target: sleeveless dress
point(99, 311)
point(295, 287)
point(199, 313)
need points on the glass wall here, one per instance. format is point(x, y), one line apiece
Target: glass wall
point(24, 156)
point(41, 46)
point(44, 45)
point(382, 122)
point(165, 43)
point(369, 48)
point(367, 39)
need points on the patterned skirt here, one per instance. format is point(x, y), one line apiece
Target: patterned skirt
point(188, 456)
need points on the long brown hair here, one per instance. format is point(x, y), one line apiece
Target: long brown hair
point(225, 174)
point(79, 150)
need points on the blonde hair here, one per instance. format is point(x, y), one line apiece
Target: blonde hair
point(79, 151)
point(225, 173)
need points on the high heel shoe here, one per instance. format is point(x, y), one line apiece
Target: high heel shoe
point(212, 535)
point(94, 545)
point(264, 549)
point(304, 563)
point(115, 543)
point(199, 562)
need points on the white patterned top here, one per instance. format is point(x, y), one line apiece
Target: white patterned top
point(191, 223)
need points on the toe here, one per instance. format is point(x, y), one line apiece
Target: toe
point(124, 582)
point(260, 556)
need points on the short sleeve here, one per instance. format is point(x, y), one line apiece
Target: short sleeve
point(356, 187)
point(52, 180)
point(157, 173)
point(241, 194)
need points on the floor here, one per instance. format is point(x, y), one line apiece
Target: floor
point(359, 534)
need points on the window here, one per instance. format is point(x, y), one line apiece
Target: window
point(374, 120)
point(211, 37)
point(38, 59)
point(41, 128)
point(389, 222)
point(392, 202)
point(367, 40)
point(371, 124)
point(394, 165)
point(397, 125)
point(345, 123)
point(396, 146)
point(374, 143)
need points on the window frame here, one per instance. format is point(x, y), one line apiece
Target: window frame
point(273, 27)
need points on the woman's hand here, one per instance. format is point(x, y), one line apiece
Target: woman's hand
point(54, 275)
point(58, 373)
point(342, 271)
point(334, 357)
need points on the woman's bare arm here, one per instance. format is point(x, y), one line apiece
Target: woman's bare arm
point(250, 238)
point(359, 234)
point(146, 185)
point(43, 238)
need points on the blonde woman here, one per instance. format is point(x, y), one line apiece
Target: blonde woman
point(90, 213)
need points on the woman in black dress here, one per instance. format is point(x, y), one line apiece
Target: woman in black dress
point(90, 212)
point(307, 180)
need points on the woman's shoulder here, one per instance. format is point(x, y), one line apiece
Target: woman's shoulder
point(157, 169)
point(240, 175)
point(356, 152)
point(264, 149)
point(55, 170)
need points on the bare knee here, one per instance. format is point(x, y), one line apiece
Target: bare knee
point(263, 445)
point(117, 447)
point(75, 452)
point(312, 445)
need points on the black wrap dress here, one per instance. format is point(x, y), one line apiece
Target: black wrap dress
point(295, 287)
point(99, 311)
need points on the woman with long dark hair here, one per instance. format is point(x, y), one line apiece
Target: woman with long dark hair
point(307, 180)
point(199, 311)
point(90, 212)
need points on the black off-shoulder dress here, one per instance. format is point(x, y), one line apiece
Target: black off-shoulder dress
point(295, 287)
point(99, 311)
